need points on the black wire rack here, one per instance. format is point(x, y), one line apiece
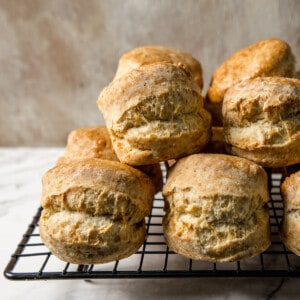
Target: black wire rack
point(32, 260)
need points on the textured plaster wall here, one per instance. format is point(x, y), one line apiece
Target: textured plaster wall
point(56, 56)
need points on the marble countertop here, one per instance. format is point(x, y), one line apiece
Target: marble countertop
point(20, 181)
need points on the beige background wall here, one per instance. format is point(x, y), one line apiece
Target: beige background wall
point(56, 56)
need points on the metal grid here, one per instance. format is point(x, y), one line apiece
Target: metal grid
point(32, 260)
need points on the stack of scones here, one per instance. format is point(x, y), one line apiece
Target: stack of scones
point(216, 147)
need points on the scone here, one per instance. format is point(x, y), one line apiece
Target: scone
point(88, 142)
point(155, 113)
point(262, 120)
point(94, 142)
point(271, 57)
point(146, 55)
point(290, 226)
point(216, 208)
point(94, 210)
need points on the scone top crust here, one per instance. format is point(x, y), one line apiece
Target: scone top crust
point(96, 174)
point(264, 98)
point(155, 54)
point(210, 175)
point(290, 190)
point(147, 82)
point(271, 57)
point(88, 142)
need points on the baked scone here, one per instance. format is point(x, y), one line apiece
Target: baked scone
point(146, 55)
point(94, 142)
point(88, 142)
point(271, 57)
point(216, 208)
point(262, 120)
point(290, 225)
point(94, 210)
point(155, 113)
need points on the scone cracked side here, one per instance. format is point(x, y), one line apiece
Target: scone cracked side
point(92, 225)
point(290, 224)
point(270, 157)
point(217, 229)
point(97, 201)
point(135, 151)
point(222, 196)
point(262, 120)
point(157, 104)
point(87, 220)
point(81, 239)
point(96, 175)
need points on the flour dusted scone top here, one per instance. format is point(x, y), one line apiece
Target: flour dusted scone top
point(216, 208)
point(94, 210)
point(262, 120)
point(146, 55)
point(155, 113)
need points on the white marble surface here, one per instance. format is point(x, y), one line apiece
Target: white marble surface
point(20, 174)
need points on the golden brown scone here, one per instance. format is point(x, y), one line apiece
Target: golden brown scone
point(216, 208)
point(88, 142)
point(146, 55)
point(262, 120)
point(94, 142)
point(290, 226)
point(271, 57)
point(93, 210)
point(155, 113)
